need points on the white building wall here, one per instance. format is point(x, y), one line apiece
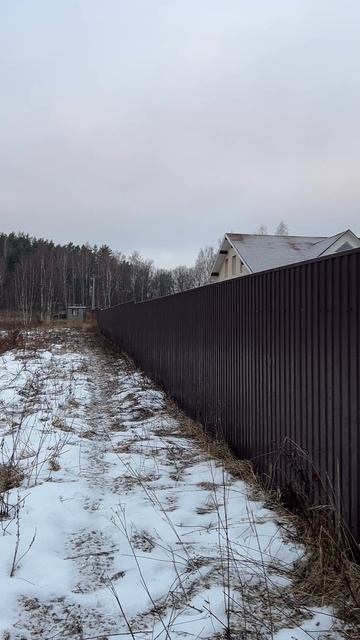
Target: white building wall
point(232, 267)
point(349, 237)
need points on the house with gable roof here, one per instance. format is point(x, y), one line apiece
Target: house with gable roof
point(241, 254)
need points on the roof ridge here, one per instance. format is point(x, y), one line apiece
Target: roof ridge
point(276, 235)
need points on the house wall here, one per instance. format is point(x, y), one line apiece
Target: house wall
point(347, 237)
point(240, 269)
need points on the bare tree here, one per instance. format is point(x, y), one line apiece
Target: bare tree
point(262, 230)
point(282, 229)
point(184, 278)
point(37, 276)
point(162, 283)
point(203, 266)
point(25, 286)
point(106, 275)
point(44, 264)
point(141, 274)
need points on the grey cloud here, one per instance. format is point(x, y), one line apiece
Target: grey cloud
point(160, 129)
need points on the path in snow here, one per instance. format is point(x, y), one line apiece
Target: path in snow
point(138, 533)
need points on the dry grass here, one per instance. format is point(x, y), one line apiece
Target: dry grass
point(13, 339)
point(54, 464)
point(13, 319)
point(143, 541)
point(9, 320)
point(218, 450)
point(325, 576)
point(328, 574)
point(10, 478)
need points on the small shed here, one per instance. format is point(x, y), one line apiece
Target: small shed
point(76, 312)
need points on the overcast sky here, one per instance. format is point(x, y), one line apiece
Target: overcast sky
point(158, 125)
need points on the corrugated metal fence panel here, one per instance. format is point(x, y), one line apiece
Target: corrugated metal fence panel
point(269, 361)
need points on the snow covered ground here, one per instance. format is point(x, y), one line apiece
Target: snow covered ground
point(121, 526)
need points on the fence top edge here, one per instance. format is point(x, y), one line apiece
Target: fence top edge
point(288, 267)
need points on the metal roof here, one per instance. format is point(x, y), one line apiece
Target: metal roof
point(262, 252)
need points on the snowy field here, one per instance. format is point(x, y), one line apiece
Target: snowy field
point(117, 525)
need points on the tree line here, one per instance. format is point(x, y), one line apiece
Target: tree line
point(39, 278)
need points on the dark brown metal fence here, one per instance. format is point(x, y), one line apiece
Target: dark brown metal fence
point(271, 361)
